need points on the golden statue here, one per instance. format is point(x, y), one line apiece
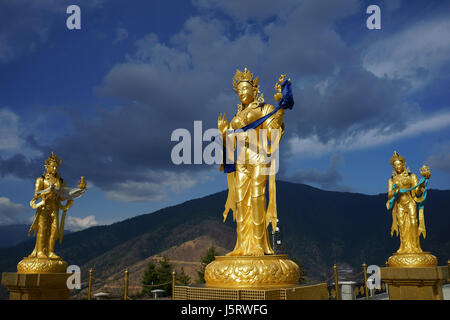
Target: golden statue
point(404, 190)
point(52, 191)
point(252, 262)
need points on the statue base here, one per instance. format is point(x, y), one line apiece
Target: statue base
point(423, 259)
point(37, 286)
point(42, 265)
point(299, 292)
point(415, 283)
point(269, 271)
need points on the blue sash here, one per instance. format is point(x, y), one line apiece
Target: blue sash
point(286, 102)
point(420, 204)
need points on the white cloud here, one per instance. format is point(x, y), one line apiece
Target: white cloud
point(9, 130)
point(10, 212)
point(416, 54)
point(156, 186)
point(77, 224)
point(134, 191)
point(312, 146)
point(12, 131)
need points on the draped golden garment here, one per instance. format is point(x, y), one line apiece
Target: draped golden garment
point(404, 214)
point(247, 185)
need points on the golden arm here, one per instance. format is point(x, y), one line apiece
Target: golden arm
point(223, 126)
point(39, 185)
point(390, 192)
point(394, 227)
point(68, 204)
point(420, 189)
point(275, 123)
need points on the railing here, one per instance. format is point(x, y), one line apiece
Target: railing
point(94, 281)
point(334, 281)
point(360, 289)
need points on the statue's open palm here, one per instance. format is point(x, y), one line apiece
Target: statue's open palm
point(222, 123)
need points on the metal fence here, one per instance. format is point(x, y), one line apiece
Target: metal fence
point(95, 282)
point(335, 282)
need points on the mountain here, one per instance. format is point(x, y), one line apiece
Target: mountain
point(318, 227)
point(11, 235)
point(184, 257)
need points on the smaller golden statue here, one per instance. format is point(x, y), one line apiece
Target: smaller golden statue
point(52, 191)
point(404, 191)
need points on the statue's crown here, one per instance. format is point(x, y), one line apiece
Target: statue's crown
point(396, 157)
point(53, 158)
point(244, 76)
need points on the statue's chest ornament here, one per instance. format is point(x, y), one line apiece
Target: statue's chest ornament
point(50, 180)
point(246, 116)
point(253, 115)
point(403, 181)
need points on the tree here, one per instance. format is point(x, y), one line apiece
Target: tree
point(158, 277)
point(182, 277)
point(150, 278)
point(209, 256)
point(164, 272)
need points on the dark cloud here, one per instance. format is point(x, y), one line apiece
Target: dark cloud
point(164, 86)
point(243, 11)
point(126, 152)
point(21, 167)
point(349, 102)
point(441, 159)
point(328, 179)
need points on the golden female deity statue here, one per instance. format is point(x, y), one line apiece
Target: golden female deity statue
point(254, 126)
point(404, 191)
point(52, 191)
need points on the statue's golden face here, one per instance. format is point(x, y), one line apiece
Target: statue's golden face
point(51, 167)
point(246, 92)
point(399, 166)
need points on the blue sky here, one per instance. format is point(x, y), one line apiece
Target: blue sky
point(106, 98)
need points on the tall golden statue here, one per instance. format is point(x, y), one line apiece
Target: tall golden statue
point(254, 126)
point(52, 191)
point(404, 191)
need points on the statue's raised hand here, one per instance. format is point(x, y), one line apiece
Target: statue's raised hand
point(222, 123)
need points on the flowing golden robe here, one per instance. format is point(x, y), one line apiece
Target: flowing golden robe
point(46, 224)
point(247, 185)
point(404, 214)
